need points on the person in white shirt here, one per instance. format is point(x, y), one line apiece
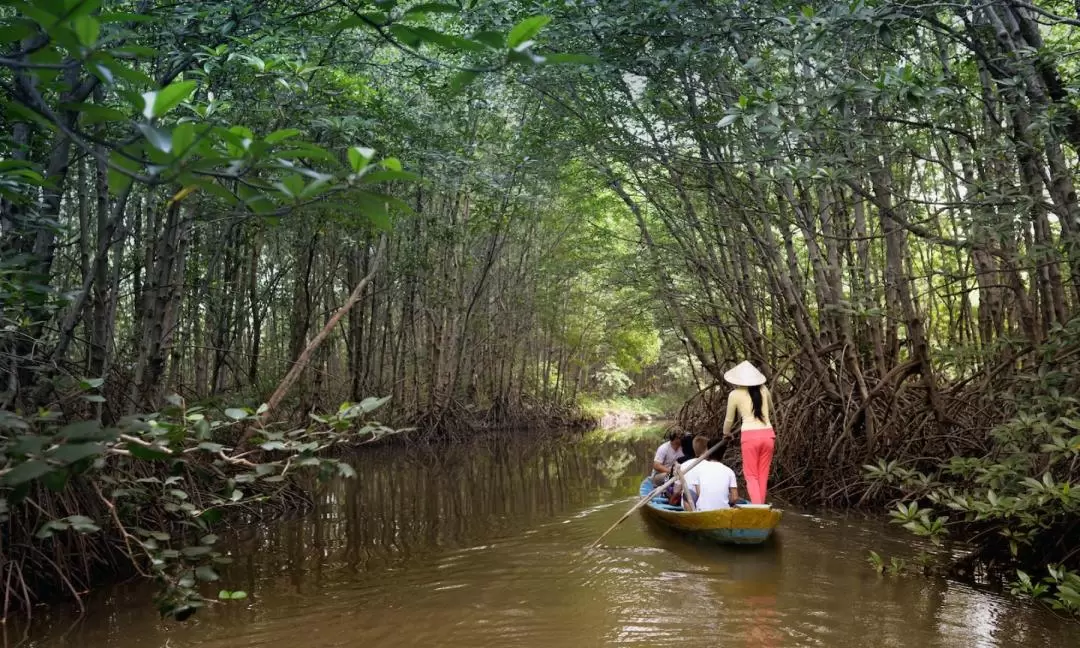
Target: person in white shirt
point(666, 457)
point(712, 483)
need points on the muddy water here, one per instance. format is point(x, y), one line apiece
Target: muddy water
point(486, 546)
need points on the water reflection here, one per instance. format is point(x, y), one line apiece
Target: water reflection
point(486, 545)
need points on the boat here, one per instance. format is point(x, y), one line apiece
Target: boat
point(744, 524)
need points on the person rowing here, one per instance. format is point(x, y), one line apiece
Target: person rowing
point(751, 401)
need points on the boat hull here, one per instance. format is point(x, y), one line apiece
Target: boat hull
point(726, 526)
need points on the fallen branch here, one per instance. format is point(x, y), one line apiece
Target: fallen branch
point(305, 356)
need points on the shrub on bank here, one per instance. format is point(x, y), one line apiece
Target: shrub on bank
point(1017, 504)
point(657, 406)
point(145, 496)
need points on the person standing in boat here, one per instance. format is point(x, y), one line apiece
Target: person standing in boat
point(752, 402)
point(666, 456)
point(711, 482)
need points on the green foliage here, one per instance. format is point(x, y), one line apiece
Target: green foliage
point(162, 483)
point(1060, 588)
point(657, 406)
point(611, 381)
point(1021, 496)
point(160, 147)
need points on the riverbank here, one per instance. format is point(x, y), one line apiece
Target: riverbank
point(621, 411)
point(82, 503)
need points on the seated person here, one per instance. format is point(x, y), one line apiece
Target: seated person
point(666, 456)
point(675, 493)
point(687, 443)
point(712, 484)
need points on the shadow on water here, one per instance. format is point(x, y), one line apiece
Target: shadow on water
point(487, 544)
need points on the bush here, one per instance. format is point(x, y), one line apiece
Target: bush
point(1018, 502)
point(147, 495)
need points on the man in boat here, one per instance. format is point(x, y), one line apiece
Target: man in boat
point(667, 455)
point(712, 484)
point(674, 493)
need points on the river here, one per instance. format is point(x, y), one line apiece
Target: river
point(486, 546)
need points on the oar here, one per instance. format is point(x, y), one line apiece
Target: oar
point(659, 489)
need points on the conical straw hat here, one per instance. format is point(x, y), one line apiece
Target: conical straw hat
point(744, 374)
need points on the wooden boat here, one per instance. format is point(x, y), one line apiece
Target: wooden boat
point(749, 525)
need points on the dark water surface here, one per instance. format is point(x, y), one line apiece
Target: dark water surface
point(487, 546)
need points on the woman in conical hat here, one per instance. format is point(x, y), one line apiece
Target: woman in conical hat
point(751, 400)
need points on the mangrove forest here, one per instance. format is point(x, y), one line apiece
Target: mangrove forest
point(242, 239)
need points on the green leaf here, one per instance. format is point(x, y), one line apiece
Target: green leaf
point(72, 452)
point(279, 135)
point(360, 157)
point(159, 102)
point(82, 524)
point(375, 210)
point(460, 81)
point(136, 77)
point(56, 481)
point(47, 529)
point(136, 50)
point(27, 445)
point(371, 403)
point(211, 447)
point(118, 180)
point(159, 138)
point(448, 41)
point(406, 35)
point(34, 11)
point(236, 413)
point(87, 28)
point(16, 30)
point(212, 187)
point(183, 136)
point(493, 39)
point(195, 551)
point(526, 30)
point(728, 120)
point(206, 573)
point(84, 431)
point(26, 471)
point(91, 383)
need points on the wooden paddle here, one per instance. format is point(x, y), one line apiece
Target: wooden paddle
point(660, 489)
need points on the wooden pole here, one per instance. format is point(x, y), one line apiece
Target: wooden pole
point(658, 489)
point(687, 501)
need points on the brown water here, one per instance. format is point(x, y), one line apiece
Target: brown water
point(486, 546)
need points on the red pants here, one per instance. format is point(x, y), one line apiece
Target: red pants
point(757, 452)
